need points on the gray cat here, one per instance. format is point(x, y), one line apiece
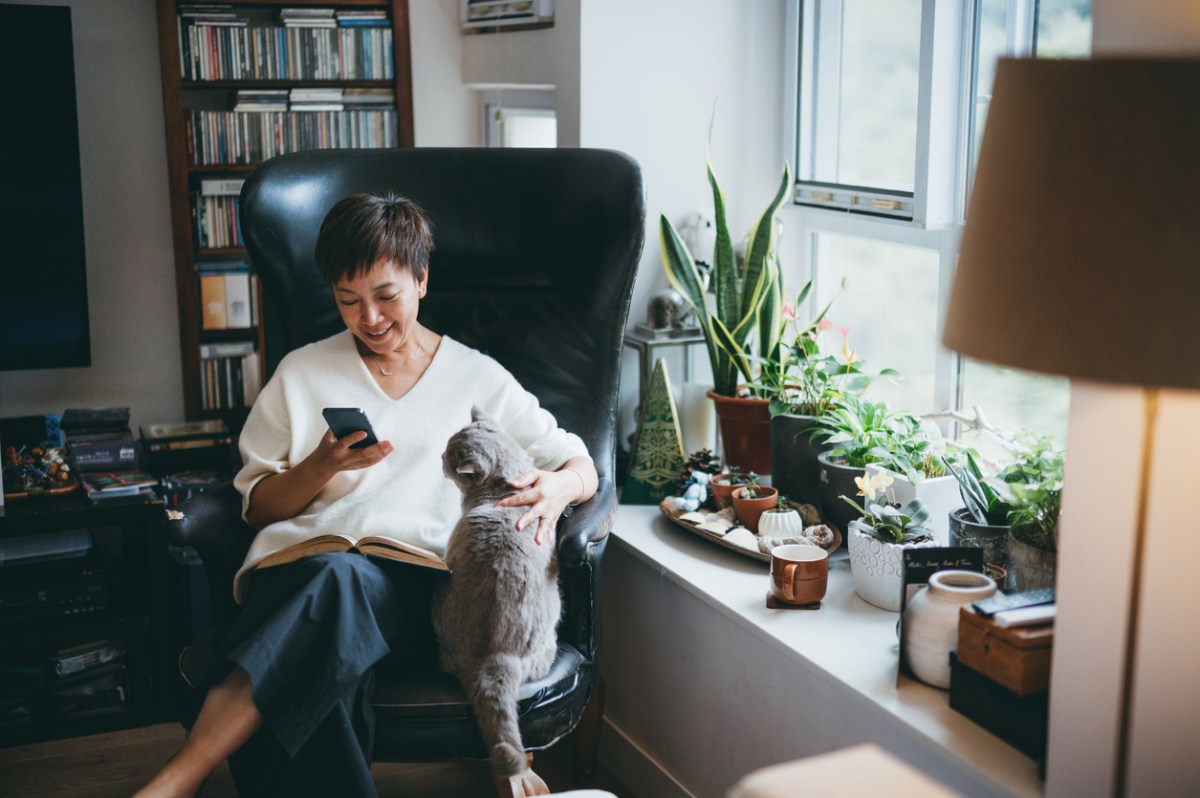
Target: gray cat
point(496, 615)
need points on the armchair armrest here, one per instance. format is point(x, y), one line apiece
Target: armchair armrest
point(211, 522)
point(589, 523)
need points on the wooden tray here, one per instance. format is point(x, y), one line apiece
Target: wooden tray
point(66, 487)
point(667, 506)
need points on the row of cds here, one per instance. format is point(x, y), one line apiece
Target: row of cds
point(212, 52)
point(227, 137)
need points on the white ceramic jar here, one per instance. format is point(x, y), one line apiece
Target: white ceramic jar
point(931, 622)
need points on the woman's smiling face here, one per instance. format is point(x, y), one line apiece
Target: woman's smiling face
point(380, 306)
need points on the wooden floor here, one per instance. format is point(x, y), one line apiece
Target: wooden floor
point(114, 765)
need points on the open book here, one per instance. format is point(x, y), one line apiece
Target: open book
point(373, 546)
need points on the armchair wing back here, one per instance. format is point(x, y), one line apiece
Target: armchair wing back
point(534, 262)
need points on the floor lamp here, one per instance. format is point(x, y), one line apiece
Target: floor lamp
point(1081, 257)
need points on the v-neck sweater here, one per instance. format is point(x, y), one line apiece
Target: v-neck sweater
point(405, 495)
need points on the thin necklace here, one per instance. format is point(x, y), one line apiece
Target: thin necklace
point(379, 360)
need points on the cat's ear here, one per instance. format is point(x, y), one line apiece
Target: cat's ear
point(477, 414)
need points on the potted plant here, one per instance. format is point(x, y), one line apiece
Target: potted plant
point(918, 459)
point(782, 521)
point(723, 484)
point(803, 383)
point(856, 432)
point(751, 500)
point(744, 318)
point(1033, 486)
point(877, 539)
point(983, 520)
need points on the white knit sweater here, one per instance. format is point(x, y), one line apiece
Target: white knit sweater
point(406, 495)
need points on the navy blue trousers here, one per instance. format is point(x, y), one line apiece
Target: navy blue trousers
point(308, 635)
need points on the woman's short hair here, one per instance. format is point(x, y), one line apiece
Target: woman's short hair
point(363, 229)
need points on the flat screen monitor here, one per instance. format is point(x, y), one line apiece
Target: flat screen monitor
point(43, 271)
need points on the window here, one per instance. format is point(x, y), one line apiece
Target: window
point(891, 98)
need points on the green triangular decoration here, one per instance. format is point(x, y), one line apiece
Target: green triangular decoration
point(657, 457)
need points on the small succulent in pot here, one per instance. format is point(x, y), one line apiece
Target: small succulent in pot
point(886, 521)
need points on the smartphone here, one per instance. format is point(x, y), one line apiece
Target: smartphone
point(344, 420)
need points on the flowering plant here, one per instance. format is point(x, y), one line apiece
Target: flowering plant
point(888, 521)
point(800, 376)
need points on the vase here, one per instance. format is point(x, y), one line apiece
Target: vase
point(878, 566)
point(780, 524)
point(745, 424)
point(837, 480)
point(931, 622)
point(1032, 566)
point(964, 531)
point(749, 510)
point(794, 467)
point(940, 495)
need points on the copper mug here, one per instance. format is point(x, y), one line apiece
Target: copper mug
point(799, 573)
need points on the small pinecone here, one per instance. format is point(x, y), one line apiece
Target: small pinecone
point(702, 461)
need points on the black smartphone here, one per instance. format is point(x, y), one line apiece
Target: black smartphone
point(344, 420)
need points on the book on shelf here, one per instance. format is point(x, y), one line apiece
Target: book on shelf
point(104, 455)
point(218, 223)
point(229, 375)
point(213, 315)
point(112, 484)
point(94, 419)
point(222, 187)
point(169, 432)
point(372, 546)
point(76, 659)
point(239, 312)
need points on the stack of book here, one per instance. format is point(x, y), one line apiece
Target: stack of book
point(307, 17)
point(88, 680)
point(361, 18)
point(216, 206)
point(188, 454)
point(311, 98)
point(105, 485)
point(254, 100)
point(99, 439)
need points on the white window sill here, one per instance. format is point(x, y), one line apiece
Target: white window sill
point(847, 639)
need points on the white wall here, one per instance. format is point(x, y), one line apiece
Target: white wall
point(127, 227)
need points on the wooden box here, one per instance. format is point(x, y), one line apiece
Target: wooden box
point(1017, 658)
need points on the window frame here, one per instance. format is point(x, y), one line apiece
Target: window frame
point(946, 114)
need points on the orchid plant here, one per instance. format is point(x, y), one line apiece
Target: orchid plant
point(801, 376)
point(888, 521)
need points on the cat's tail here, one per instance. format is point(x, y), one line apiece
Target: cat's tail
point(495, 702)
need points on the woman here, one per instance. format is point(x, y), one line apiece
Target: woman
point(294, 686)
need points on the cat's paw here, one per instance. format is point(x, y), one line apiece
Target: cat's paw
point(521, 785)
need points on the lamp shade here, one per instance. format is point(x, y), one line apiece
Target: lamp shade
point(1081, 251)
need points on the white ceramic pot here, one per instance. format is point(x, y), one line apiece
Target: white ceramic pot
point(878, 567)
point(776, 524)
point(940, 495)
point(931, 622)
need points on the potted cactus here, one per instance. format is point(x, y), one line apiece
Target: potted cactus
point(752, 500)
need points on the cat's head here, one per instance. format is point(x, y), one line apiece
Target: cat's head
point(481, 451)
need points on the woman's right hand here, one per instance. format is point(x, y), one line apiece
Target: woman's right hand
point(333, 455)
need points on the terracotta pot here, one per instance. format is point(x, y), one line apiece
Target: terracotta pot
point(749, 510)
point(745, 431)
point(722, 490)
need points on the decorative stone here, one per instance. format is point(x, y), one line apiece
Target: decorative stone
point(657, 457)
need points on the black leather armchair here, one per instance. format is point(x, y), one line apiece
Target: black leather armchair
point(536, 252)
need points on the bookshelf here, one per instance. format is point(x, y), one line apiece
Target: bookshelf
point(279, 77)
